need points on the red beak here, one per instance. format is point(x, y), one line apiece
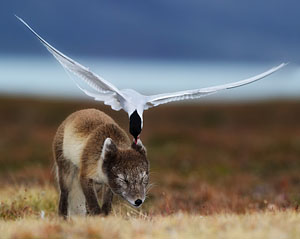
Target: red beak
point(135, 140)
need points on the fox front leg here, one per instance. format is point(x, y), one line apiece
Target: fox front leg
point(90, 196)
point(106, 200)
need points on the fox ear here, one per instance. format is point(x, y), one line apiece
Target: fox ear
point(109, 149)
point(138, 146)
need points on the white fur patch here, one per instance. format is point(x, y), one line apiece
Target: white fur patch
point(106, 143)
point(73, 145)
point(139, 142)
point(142, 175)
point(76, 199)
point(101, 177)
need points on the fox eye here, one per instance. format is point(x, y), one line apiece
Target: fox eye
point(122, 179)
point(122, 182)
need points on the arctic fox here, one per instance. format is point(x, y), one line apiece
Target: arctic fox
point(90, 149)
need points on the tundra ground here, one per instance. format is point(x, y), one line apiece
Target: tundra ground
point(218, 171)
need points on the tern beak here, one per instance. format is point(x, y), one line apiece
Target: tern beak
point(136, 139)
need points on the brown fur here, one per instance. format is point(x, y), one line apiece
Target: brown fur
point(89, 129)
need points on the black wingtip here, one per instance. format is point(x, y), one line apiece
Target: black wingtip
point(135, 125)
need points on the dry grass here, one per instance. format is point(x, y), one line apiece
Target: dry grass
point(21, 202)
point(21, 212)
point(256, 225)
point(31, 214)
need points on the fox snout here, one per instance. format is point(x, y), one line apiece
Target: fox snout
point(136, 203)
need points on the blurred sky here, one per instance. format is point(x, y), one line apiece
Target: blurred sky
point(152, 46)
point(233, 30)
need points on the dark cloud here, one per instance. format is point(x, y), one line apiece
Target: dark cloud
point(191, 29)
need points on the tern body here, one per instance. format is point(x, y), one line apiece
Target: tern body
point(130, 100)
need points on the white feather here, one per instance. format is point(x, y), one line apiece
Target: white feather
point(93, 80)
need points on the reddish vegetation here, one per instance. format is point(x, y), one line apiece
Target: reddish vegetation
point(204, 158)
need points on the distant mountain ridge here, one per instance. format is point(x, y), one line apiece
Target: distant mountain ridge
point(173, 29)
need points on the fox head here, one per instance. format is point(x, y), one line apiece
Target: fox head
point(127, 171)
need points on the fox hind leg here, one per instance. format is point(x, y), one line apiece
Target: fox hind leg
point(67, 176)
point(77, 201)
point(64, 189)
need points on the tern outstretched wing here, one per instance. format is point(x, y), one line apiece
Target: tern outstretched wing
point(106, 91)
point(155, 100)
point(114, 97)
